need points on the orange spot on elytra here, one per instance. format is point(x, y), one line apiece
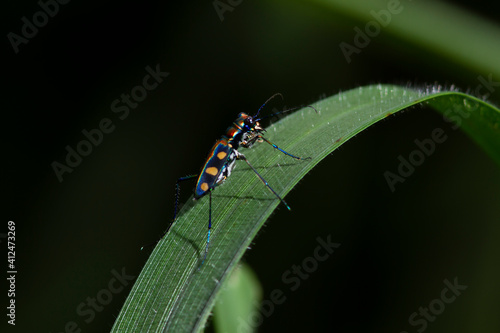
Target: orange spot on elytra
point(212, 171)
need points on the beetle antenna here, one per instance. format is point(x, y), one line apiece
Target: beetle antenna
point(268, 100)
point(289, 110)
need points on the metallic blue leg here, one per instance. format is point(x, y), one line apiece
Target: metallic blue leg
point(209, 226)
point(176, 206)
point(177, 195)
point(242, 157)
point(281, 150)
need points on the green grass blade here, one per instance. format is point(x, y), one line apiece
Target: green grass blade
point(441, 28)
point(172, 295)
point(238, 300)
point(479, 120)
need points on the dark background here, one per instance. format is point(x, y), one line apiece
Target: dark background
point(397, 248)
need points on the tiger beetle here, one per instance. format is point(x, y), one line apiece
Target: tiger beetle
point(244, 132)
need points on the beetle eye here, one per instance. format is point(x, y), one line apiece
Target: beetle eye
point(249, 121)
